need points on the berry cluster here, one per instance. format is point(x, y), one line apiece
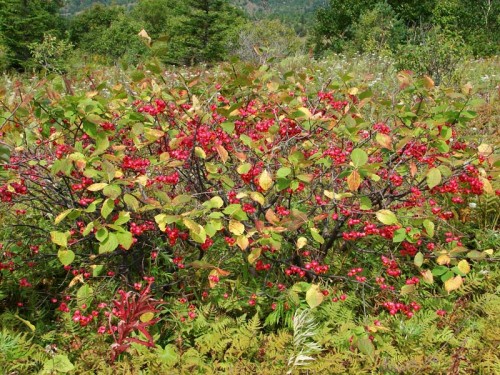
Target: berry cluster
point(391, 266)
point(399, 307)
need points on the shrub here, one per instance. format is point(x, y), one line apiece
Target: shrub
point(258, 194)
point(51, 54)
point(434, 52)
point(263, 40)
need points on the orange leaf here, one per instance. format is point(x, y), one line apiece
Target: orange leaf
point(354, 180)
point(384, 140)
point(272, 217)
point(413, 169)
point(222, 153)
point(259, 225)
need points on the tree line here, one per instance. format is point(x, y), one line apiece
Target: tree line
point(35, 34)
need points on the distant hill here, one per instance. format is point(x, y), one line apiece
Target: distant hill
point(295, 11)
point(262, 7)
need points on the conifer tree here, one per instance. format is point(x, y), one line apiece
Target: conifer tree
point(23, 22)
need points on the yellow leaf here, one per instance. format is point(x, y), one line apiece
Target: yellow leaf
point(254, 255)
point(62, 215)
point(200, 152)
point(387, 217)
point(354, 180)
point(265, 180)
point(433, 177)
point(27, 322)
point(488, 189)
point(154, 133)
point(142, 180)
point(329, 194)
point(236, 228)
point(307, 113)
point(464, 266)
point(242, 242)
point(273, 86)
point(467, 88)
point(353, 91)
point(146, 317)
point(427, 277)
point(257, 197)
point(485, 149)
point(301, 242)
point(453, 283)
point(76, 280)
point(143, 34)
point(97, 187)
point(443, 259)
point(314, 297)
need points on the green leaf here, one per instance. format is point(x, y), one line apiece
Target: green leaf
point(123, 217)
point(244, 168)
point(254, 255)
point(429, 227)
point(314, 297)
point(407, 289)
point(283, 172)
point(476, 255)
point(181, 199)
point(109, 244)
point(101, 234)
point(131, 202)
point(316, 236)
point(228, 127)
point(439, 270)
point(365, 203)
point(59, 238)
point(125, 239)
point(359, 157)
point(447, 275)
point(387, 217)
point(66, 257)
point(88, 229)
point(59, 363)
point(107, 207)
point(97, 270)
point(215, 202)
point(196, 231)
point(84, 295)
point(232, 209)
point(366, 346)
point(102, 143)
point(433, 177)
point(399, 235)
point(112, 191)
point(419, 259)
point(4, 154)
